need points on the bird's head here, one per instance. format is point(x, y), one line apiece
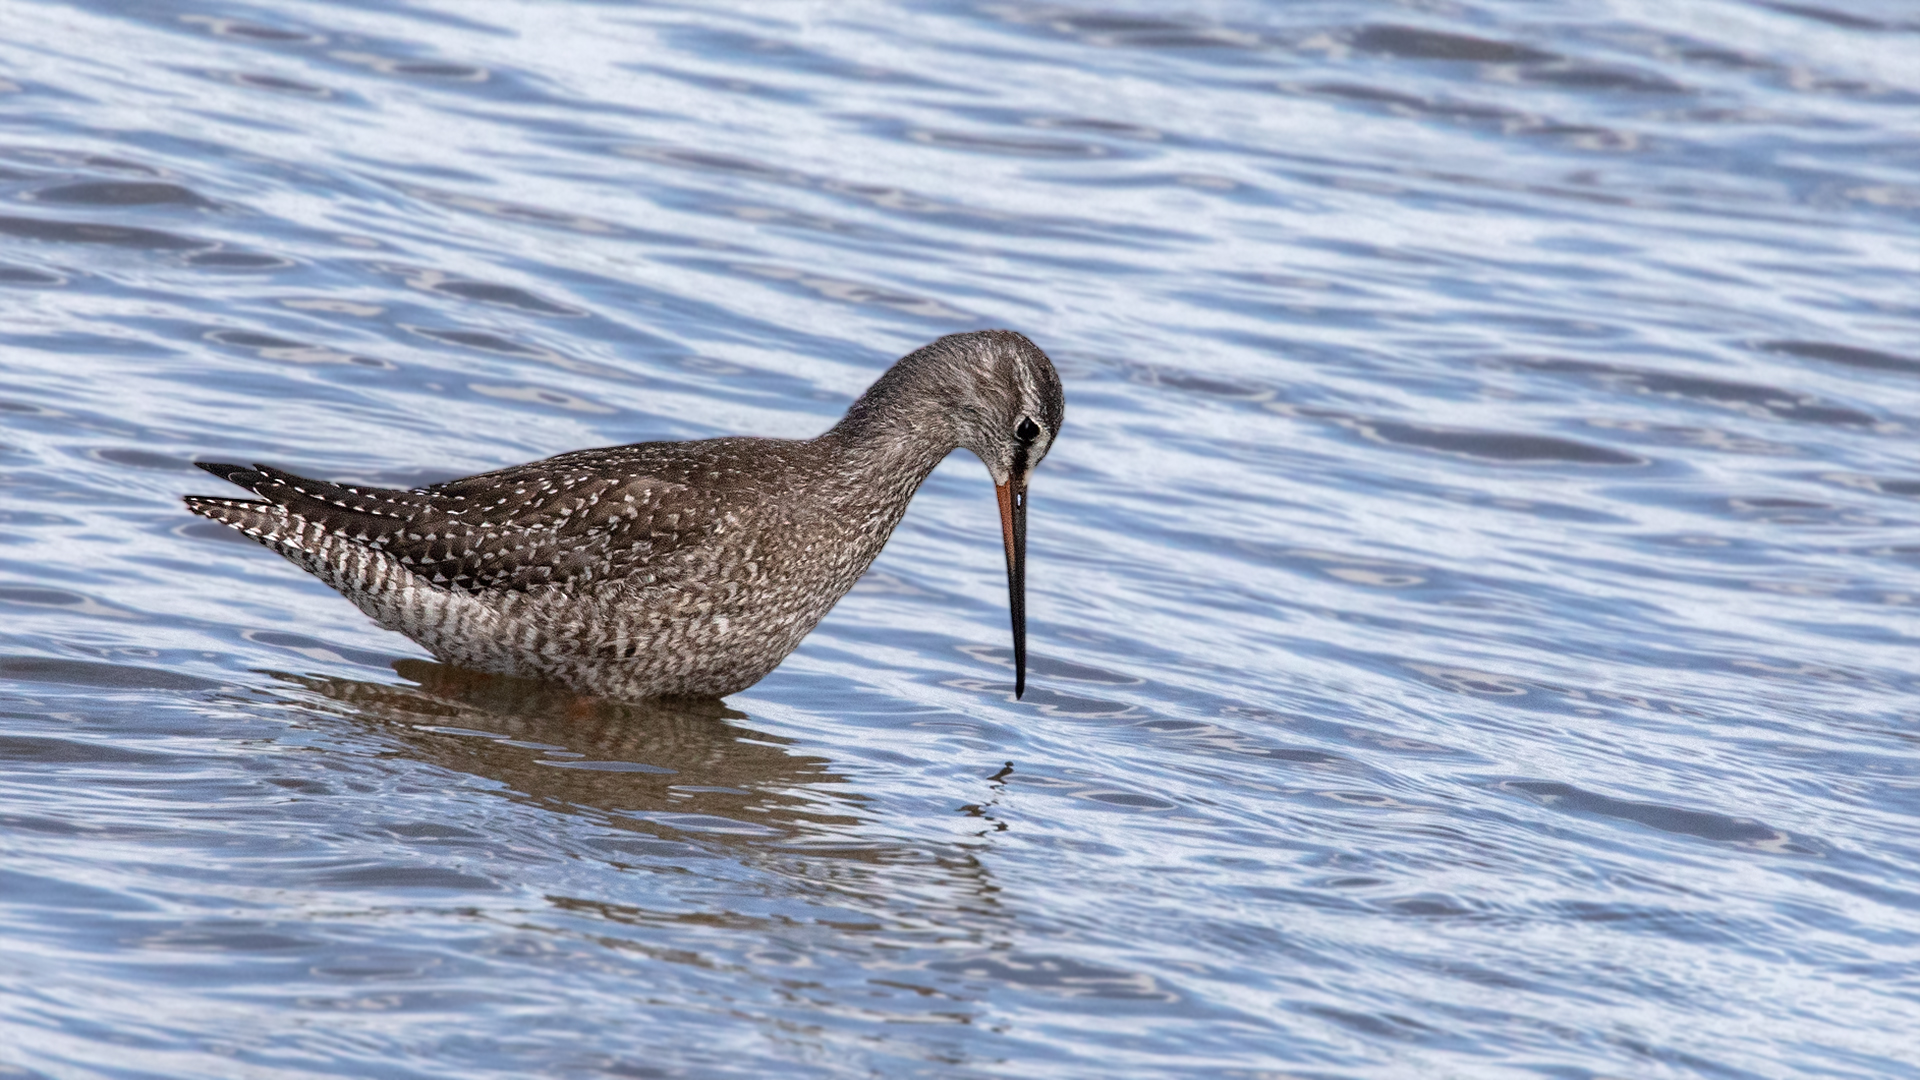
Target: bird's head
point(1009, 407)
point(994, 393)
point(1008, 412)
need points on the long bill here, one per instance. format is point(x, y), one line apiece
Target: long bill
point(1013, 529)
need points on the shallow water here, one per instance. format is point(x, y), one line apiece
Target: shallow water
point(1473, 597)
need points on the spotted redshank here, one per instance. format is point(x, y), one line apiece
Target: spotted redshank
point(667, 569)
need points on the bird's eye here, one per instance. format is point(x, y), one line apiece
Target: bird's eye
point(1028, 430)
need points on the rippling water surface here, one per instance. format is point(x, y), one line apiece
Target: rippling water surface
point(1473, 597)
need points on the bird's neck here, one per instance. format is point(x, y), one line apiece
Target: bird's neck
point(900, 428)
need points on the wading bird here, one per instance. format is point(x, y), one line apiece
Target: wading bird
point(667, 569)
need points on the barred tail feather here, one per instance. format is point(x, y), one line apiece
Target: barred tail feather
point(265, 522)
point(452, 625)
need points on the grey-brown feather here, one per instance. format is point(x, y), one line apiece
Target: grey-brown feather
point(662, 568)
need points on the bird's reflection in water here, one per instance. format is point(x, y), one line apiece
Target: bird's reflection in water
point(682, 769)
point(685, 772)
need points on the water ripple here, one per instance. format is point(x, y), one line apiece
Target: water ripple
point(1473, 601)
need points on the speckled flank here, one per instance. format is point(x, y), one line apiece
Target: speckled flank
point(665, 568)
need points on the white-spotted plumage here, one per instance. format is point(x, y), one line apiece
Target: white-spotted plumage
point(665, 568)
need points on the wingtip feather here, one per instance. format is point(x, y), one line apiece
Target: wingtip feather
point(243, 475)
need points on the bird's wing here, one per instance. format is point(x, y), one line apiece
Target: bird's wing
point(571, 520)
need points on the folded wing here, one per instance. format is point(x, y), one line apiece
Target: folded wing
point(554, 522)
